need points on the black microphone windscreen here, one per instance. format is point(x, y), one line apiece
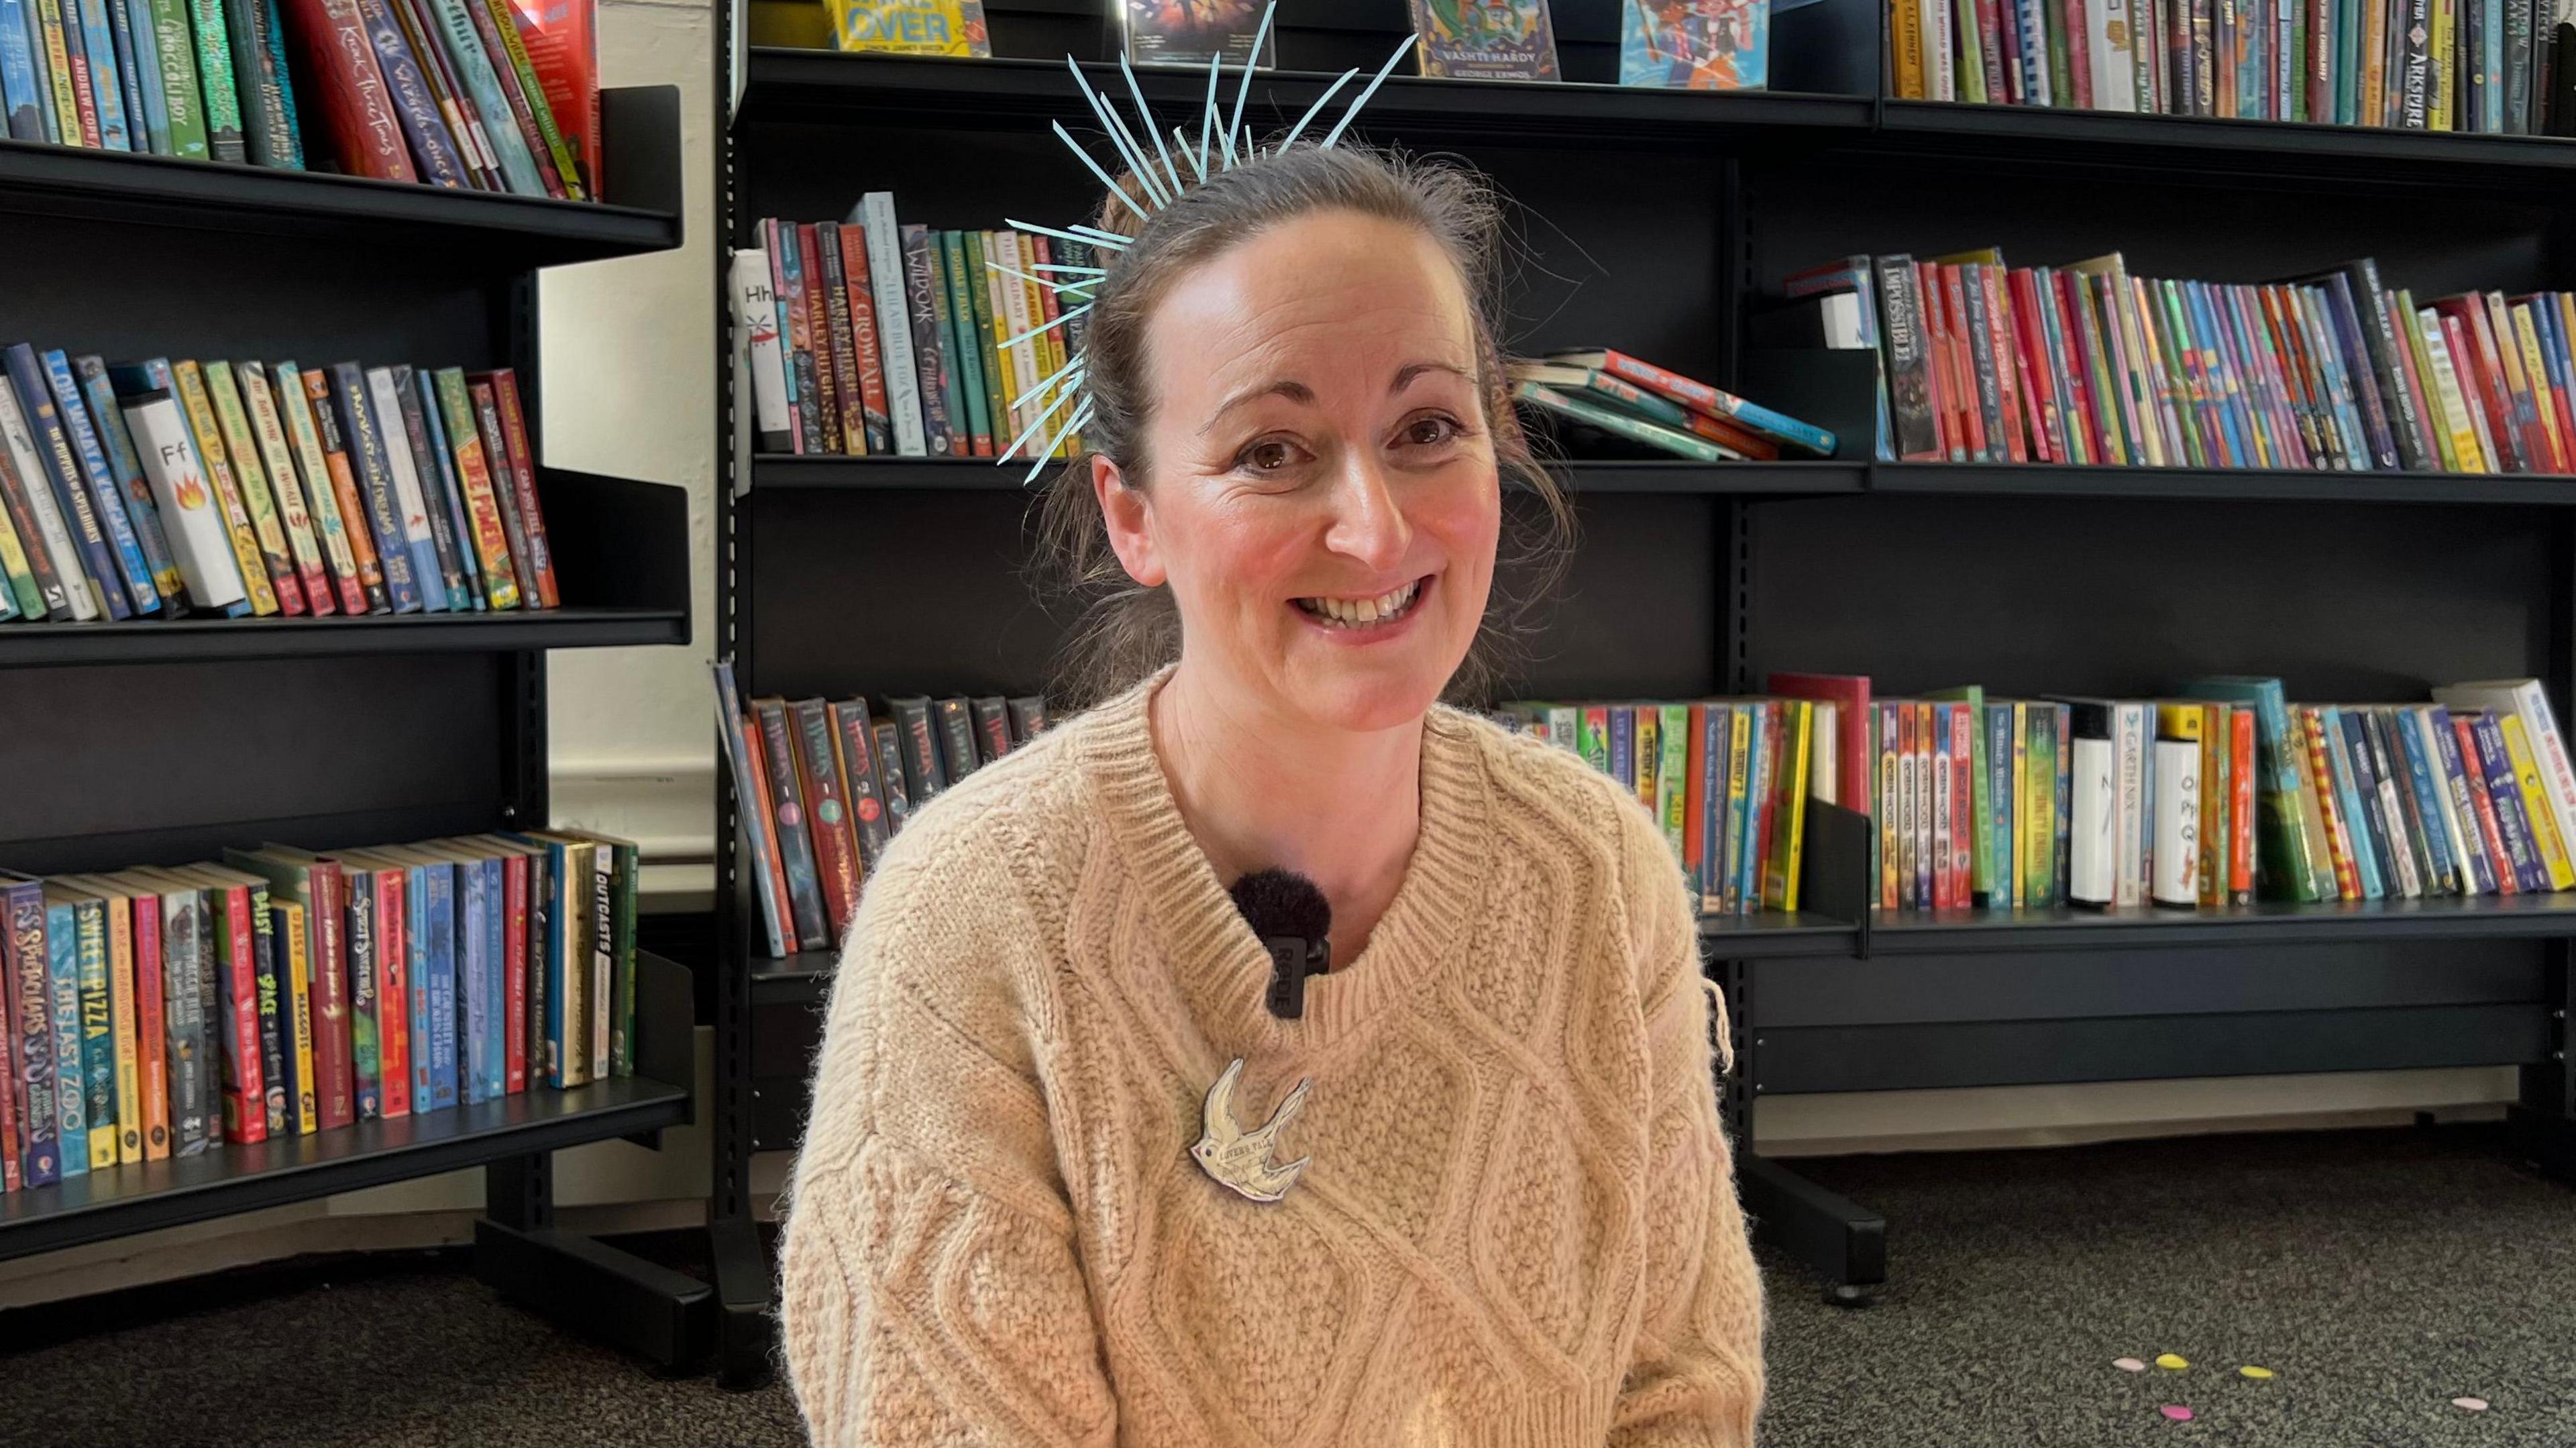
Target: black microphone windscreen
point(1283, 902)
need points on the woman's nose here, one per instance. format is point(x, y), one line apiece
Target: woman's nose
point(1368, 526)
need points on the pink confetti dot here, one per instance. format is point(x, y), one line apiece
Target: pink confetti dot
point(2129, 1365)
point(2178, 1414)
point(2473, 1405)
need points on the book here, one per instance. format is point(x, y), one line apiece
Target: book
point(1168, 32)
point(888, 278)
point(1722, 46)
point(1464, 40)
point(910, 27)
point(1703, 398)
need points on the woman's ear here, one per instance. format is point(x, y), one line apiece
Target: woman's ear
point(1130, 520)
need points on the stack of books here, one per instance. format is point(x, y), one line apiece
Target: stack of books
point(1610, 401)
point(2221, 795)
point(486, 95)
point(870, 337)
point(1728, 779)
point(823, 787)
point(2087, 363)
point(152, 1013)
point(2438, 65)
point(245, 489)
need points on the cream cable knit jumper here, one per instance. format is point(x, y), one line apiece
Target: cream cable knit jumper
point(1519, 1229)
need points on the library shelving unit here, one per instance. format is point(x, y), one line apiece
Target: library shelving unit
point(1660, 222)
point(160, 742)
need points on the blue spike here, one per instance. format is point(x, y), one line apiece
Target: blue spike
point(1060, 320)
point(1299, 129)
point(1207, 120)
point(1114, 188)
point(1072, 425)
point(1198, 167)
point(1118, 137)
point(1065, 374)
point(1383, 72)
point(1057, 266)
point(1235, 126)
point(1145, 118)
point(1037, 424)
point(1109, 239)
point(1059, 288)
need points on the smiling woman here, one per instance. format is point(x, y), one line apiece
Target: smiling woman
point(1047, 1194)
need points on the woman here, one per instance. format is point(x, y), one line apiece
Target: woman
point(1504, 1212)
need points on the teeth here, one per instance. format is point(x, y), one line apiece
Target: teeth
point(1362, 612)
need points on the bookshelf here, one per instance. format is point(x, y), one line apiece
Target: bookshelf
point(1659, 222)
point(161, 742)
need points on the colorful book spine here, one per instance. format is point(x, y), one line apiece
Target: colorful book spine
point(63, 983)
point(106, 497)
point(268, 525)
point(28, 988)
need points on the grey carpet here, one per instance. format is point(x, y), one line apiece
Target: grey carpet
point(2380, 1274)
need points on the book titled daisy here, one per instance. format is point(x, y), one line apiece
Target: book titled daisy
point(1695, 44)
point(1485, 39)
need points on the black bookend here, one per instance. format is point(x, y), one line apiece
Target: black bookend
point(1834, 879)
point(1836, 389)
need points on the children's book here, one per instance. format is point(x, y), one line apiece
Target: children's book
point(1695, 44)
point(911, 27)
point(1484, 39)
point(1187, 32)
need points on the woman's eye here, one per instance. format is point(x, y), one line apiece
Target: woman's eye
point(1270, 455)
point(1429, 431)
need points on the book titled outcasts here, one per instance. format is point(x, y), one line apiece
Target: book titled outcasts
point(162, 488)
point(159, 1012)
point(824, 785)
point(489, 95)
point(2090, 363)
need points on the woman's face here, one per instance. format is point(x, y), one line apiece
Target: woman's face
point(1323, 500)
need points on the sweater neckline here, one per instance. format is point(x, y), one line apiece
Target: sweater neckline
point(1214, 952)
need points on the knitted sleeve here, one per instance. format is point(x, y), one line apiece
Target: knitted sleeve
point(930, 1291)
point(1696, 1376)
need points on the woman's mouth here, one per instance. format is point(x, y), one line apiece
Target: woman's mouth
point(1364, 613)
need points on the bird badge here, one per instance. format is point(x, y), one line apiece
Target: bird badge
point(1239, 1160)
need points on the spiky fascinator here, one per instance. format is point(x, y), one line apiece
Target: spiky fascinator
point(1156, 182)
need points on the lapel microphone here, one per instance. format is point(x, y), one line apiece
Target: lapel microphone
point(1294, 923)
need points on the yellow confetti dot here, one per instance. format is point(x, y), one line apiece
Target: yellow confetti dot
point(2172, 1361)
point(2256, 1373)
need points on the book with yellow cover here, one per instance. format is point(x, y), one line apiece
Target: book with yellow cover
point(911, 27)
point(123, 1134)
point(2535, 801)
point(2214, 733)
point(295, 1002)
point(1789, 796)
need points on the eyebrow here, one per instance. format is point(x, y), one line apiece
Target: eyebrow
point(1299, 392)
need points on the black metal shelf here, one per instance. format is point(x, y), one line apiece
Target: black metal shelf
point(966, 475)
point(801, 979)
point(1774, 934)
point(2485, 917)
point(2380, 156)
point(209, 640)
point(940, 94)
point(2225, 484)
point(111, 1202)
point(513, 233)
point(937, 94)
